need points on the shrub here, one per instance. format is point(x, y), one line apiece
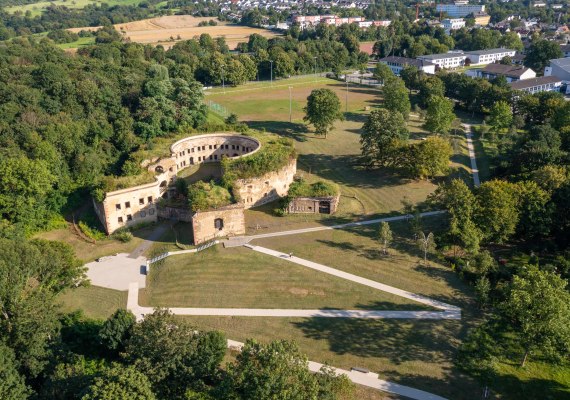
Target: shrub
point(208, 195)
point(122, 235)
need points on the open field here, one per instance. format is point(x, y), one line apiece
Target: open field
point(241, 278)
point(169, 29)
point(38, 7)
point(364, 193)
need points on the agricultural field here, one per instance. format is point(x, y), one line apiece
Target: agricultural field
point(170, 29)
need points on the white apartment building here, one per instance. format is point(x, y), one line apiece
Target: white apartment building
point(451, 24)
point(479, 57)
point(460, 9)
point(445, 60)
point(537, 85)
point(397, 64)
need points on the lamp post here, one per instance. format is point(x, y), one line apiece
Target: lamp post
point(271, 76)
point(290, 105)
point(346, 101)
point(315, 68)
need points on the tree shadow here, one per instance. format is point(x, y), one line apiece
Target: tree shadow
point(398, 340)
point(340, 245)
point(292, 130)
point(355, 117)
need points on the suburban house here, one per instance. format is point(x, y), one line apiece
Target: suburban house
point(478, 57)
point(566, 50)
point(397, 64)
point(512, 73)
point(445, 60)
point(537, 85)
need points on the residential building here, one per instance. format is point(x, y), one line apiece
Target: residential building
point(459, 9)
point(479, 57)
point(482, 19)
point(446, 60)
point(397, 64)
point(566, 50)
point(450, 24)
point(559, 67)
point(537, 85)
point(512, 73)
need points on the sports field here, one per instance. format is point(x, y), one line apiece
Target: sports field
point(173, 28)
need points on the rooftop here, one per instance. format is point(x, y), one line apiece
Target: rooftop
point(407, 61)
point(489, 51)
point(527, 83)
point(514, 71)
point(443, 55)
point(563, 63)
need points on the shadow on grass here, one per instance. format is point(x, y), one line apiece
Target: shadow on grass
point(398, 340)
point(293, 130)
point(355, 117)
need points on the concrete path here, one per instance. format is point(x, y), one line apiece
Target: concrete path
point(140, 311)
point(472, 158)
point(153, 237)
point(365, 379)
point(243, 239)
point(453, 310)
point(117, 272)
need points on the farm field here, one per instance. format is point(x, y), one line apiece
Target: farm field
point(167, 30)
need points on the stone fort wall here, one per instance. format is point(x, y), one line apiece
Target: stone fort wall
point(135, 205)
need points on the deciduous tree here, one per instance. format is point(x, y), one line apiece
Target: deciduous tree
point(384, 133)
point(396, 97)
point(385, 236)
point(440, 115)
point(322, 110)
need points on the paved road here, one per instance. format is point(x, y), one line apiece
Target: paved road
point(340, 226)
point(453, 310)
point(472, 158)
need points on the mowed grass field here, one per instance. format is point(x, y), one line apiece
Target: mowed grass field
point(242, 278)
point(363, 193)
point(38, 7)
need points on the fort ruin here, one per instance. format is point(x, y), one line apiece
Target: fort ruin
point(139, 204)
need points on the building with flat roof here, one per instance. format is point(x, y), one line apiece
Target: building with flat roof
point(445, 60)
point(397, 64)
point(478, 57)
point(537, 85)
point(512, 73)
point(460, 10)
point(451, 24)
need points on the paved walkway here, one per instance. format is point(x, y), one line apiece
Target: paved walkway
point(453, 310)
point(153, 237)
point(243, 239)
point(472, 158)
point(117, 272)
point(365, 379)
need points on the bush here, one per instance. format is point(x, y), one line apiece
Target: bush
point(122, 235)
point(207, 195)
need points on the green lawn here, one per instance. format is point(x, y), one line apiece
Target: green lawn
point(38, 7)
point(96, 302)
point(82, 41)
point(242, 278)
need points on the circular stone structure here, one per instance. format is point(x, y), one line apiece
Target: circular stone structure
point(212, 148)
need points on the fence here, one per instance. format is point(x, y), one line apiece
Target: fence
point(217, 108)
point(172, 253)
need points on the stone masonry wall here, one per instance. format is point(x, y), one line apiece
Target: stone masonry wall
point(204, 223)
point(254, 192)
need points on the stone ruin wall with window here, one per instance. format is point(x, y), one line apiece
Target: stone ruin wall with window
point(136, 205)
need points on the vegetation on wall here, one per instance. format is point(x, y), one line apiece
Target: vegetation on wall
point(207, 195)
point(301, 188)
point(274, 154)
